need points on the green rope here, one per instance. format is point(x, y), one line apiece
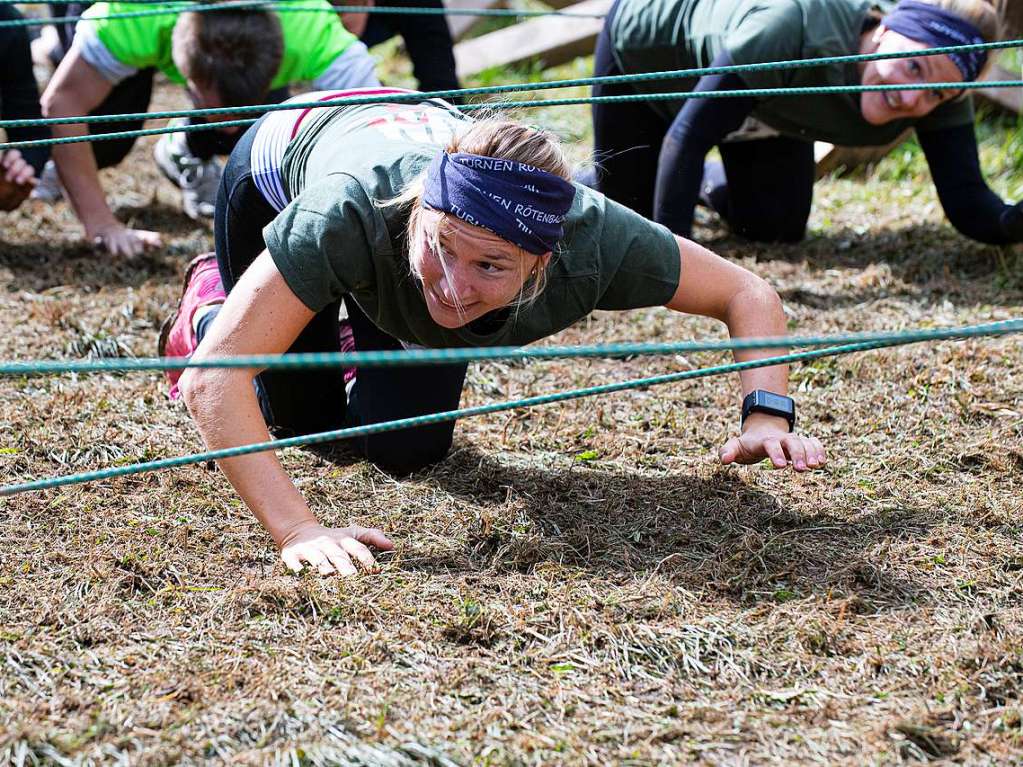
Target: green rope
point(323, 360)
point(506, 105)
point(451, 415)
point(674, 74)
point(175, 8)
point(423, 420)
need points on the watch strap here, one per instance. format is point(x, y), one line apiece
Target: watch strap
point(761, 401)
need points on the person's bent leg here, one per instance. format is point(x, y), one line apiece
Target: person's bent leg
point(769, 188)
point(388, 394)
point(427, 40)
point(627, 139)
point(128, 96)
point(293, 402)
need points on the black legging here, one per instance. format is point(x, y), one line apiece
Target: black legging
point(427, 40)
point(304, 402)
point(769, 182)
point(19, 95)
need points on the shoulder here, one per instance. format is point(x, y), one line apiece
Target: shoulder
point(766, 31)
point(134, 41)
point(631, 260)
point(312, 22)
point(324, 242)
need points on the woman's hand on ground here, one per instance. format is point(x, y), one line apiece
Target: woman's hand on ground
point(332, 549)
point(119, 240)
point(17, 179)
point(765, 436)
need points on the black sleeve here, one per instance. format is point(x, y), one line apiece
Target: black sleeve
point(969, 203)
point(19, 94)
point(700, 125)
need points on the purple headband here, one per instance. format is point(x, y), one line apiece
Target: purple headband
point(522, 204)
point(938, 28)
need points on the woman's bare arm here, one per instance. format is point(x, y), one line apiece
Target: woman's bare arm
point(263, 316)
point(714, 287)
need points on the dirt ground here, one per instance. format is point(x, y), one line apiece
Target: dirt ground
point(576, 584)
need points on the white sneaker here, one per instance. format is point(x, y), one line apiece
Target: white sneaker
point(198, 179)
point(48, 188)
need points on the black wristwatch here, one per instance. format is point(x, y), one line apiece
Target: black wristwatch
point(761, 401)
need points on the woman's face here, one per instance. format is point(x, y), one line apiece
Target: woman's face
point(481, 272)
point(880, 107)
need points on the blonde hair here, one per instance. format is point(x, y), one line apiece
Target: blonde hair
point(980, 13)
point(491, 136)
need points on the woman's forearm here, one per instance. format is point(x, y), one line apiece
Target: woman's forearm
point(756, 311)
point(970, 204)
point(225, 409)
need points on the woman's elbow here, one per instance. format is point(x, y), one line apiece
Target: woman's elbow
point(756, 305)
point(200, 387)
point(755, 295)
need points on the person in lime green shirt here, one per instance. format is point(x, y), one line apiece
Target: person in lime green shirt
point(230, 57)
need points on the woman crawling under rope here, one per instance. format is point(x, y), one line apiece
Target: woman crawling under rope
point(431, 229)
point(653, 154)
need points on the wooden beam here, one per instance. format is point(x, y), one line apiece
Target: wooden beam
point(552, 39)
point(1009, 99)
point(461, 25)
point(831, 158)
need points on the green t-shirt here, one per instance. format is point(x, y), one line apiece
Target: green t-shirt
point(660, 35)
point(312, 41)
point(335, 238)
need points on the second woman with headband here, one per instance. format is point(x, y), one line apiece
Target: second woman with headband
point(426, 228)
point(653, 154)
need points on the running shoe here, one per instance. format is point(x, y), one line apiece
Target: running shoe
point(48, 188)
point(177, 336)
point(346, 342)
point(198, 179)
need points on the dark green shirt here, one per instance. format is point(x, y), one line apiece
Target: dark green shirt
point(660, 35)
point(335, 238)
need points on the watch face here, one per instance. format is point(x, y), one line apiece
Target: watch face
point(774, 401)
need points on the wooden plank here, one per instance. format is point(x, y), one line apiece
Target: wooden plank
point(1009, 99)
point(461, 25)
point(831, 158)
point(553, 39)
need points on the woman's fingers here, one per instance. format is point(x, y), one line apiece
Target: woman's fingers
point(27, 175)
point(17, 171)
point(804, 452)
point(796, 451)
point(814, 452)
point(776, 453)
point(121, 241)
point(335, 552)
point(729, 451)
point(371, 536)
point(291, 559)
point(337, 558)
point(822, 456)
point(359, 551)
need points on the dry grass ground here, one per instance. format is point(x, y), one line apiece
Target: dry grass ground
point(576, 584)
